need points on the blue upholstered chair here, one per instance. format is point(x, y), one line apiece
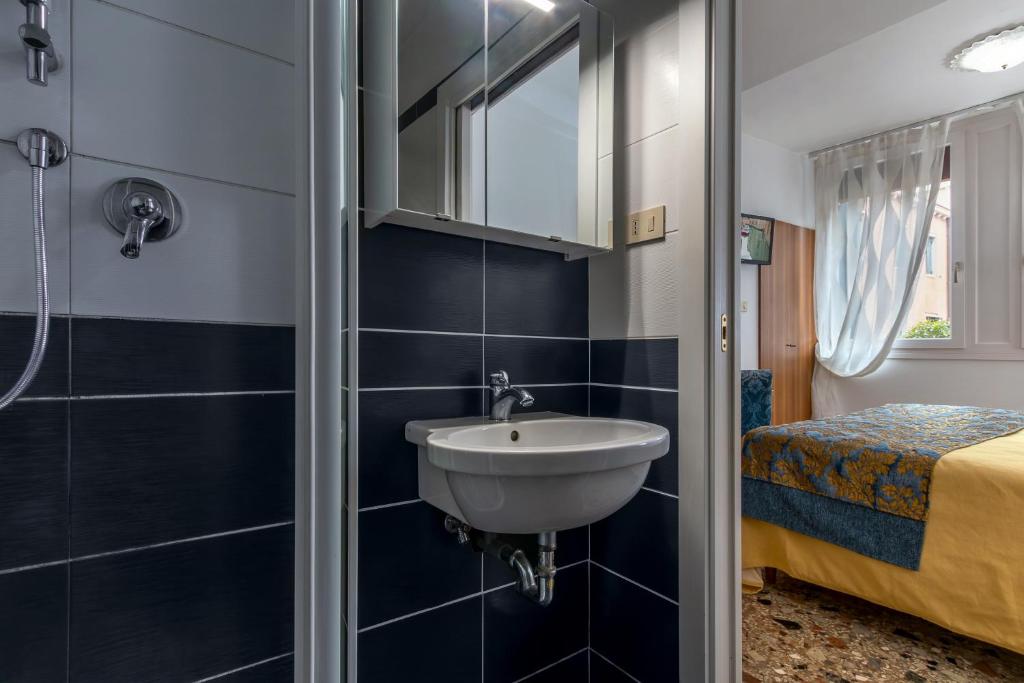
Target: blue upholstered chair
point(755, 399)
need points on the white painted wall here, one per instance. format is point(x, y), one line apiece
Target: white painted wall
point(634, 290)
point(217, 129)
point(995, 384)
point(779, 183)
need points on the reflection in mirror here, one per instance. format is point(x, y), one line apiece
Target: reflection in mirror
point(493, 113)
point(441, 65)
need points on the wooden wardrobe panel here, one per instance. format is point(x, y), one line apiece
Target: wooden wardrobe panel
point(786, 334)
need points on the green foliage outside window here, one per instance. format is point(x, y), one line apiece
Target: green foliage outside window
point(929, 329)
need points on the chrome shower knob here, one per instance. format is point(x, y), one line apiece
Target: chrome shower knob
point(143, 211)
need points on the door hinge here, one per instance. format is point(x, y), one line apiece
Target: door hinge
point(725, 333)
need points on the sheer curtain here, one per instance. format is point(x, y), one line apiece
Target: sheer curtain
point(873, 206)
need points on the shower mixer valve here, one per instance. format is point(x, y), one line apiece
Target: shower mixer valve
point(143, 211)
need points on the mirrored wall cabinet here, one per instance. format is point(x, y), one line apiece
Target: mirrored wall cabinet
point(490, 118)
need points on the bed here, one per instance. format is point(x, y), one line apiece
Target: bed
point(968, 573)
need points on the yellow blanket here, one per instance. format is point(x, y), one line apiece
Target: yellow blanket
point(971, 579)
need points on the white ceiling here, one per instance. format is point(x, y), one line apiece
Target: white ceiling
point(853, 85)
point(779, 35)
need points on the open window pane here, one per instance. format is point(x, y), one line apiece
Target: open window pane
point(929, 316)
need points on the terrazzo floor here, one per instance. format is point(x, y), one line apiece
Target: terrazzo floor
point(794, 631)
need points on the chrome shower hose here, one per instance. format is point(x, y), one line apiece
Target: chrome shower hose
point(42, 294)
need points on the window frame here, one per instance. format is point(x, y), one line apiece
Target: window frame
point(965, 310)
point(954, 171)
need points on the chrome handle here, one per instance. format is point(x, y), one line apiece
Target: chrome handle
point(958, 267)
point(143, 211)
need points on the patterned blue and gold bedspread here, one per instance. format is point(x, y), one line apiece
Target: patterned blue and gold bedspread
point(878, 460)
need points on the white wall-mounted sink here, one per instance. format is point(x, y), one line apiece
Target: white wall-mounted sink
point(539, 472)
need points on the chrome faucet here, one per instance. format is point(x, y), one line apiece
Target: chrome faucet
point(504, 396)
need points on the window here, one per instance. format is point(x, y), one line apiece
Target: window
point(969, 295)
point(929, 315)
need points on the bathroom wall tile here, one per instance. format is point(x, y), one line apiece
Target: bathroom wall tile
point(278, 671)
point(413, 279)
point(195, 122)
point(118, 356)
point(225, 602)
point(23, 104)
point(17, 334)
point(633, 628)
point(262, 25)
point(396, 359)
point(387, 462)
point(649, 80)
point(658, 407)
point(151, 470)
point(33, 486)
point(628, 542)
point(522, 637)
point(635, 362)
point(651, 175)
point(569, 399)
point(408, 562)
point(636, 292)
point(17, 262)
point(573, 546)
point(233, 259)
point(572, 670)
point(533, 292)
point(439, 646)
point(33, 631)
point(601, 671)
point(538, 361)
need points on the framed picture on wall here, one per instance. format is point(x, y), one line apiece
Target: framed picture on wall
point(756, 233)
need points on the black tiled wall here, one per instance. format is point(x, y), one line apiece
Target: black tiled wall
point(634, 554)
point(437, 313)
point(146, 503)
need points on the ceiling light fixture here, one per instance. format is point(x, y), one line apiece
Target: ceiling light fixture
point(995, 52)
point(545, 5)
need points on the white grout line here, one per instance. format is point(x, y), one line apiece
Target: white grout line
point(635, 583)
point(651, 338)
point(189, 394)
point(635, 388)
point(371, 508)
point(183, 174)
point(551, 665)
point(366, 389)
point(389, 330)
point(30, 567)
point(455, 601)
point(193, 31)
point(222, 534)
point(417, 613)
point(616, 666)
point(244, 668)
point(164, 544)
point(195, 394)
point(660, 493)
point(469, 386)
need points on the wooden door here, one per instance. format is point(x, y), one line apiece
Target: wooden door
point(786, 334)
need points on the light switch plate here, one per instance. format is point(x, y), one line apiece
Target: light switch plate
point(645, 225)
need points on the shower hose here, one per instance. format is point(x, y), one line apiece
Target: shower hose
point(42, 294)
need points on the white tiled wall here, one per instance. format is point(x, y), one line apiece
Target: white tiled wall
point(194, 94)
point(634, 290)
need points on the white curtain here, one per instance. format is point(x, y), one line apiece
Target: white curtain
point(873, 206)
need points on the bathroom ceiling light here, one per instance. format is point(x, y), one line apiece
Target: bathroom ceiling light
point(545, 5)
point(996, 52)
